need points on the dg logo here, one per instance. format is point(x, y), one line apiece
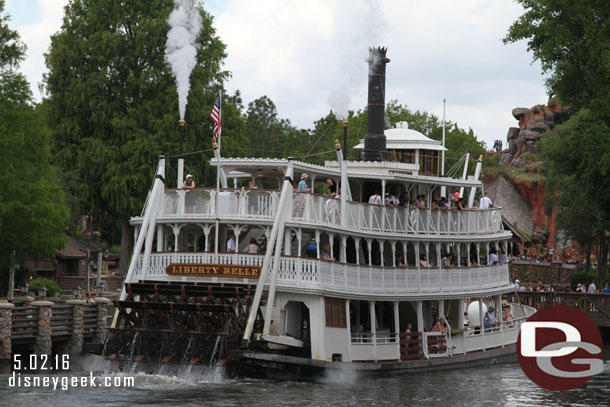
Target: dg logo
point(559, 348)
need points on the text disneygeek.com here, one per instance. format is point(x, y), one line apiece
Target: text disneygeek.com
point(67, 382)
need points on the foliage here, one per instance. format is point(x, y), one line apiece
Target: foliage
point(113, 104)
point(585, 277)
point(32, 209)
point(577, 162)
point(51, 286)
point(570, 39)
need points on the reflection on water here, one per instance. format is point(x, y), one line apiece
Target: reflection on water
point(499, 385)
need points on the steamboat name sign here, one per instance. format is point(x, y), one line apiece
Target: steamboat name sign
point(212, 270)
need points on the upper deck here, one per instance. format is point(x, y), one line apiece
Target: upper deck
point(313, 210)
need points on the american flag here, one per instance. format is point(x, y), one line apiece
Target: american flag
point(217, 121)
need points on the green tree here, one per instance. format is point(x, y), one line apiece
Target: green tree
point(32, 209)
point(113, 105)
point(264, 129)
point(571, 41)
point(577, 164)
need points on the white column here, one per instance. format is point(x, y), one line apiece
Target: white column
point(381, 246)
point(420, 316)
point(396, 320)
point(370, 249)
point(287, 242)
point(343, 251)
point(300, 240)
point(373, 327)
point(160, 239)
point(357, 244)
point(331, 245)
point(441, 308)
point(349, 328)
point(393, 245)
point(317, 244)
point(460, 314)
point(478, 246)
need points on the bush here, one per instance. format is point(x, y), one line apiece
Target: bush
point(585, 278)
point(52, 287)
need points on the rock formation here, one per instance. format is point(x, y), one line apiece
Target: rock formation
point(520, 154)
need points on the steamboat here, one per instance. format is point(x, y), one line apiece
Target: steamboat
point(278, 281)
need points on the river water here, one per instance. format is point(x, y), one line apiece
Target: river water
point(504, 385)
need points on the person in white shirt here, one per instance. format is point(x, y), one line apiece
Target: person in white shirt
point(231, 244)
point(493, 258)
point(375, 199)
point(485, 202)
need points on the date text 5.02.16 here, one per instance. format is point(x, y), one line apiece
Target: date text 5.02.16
point(41, 362)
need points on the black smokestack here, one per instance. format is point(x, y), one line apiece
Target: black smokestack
point(374, 141)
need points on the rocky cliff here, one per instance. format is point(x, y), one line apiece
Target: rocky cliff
point(520, 161)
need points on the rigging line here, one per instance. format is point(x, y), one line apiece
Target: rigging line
point(319, 138)
point(394, 90)
point(191, 153)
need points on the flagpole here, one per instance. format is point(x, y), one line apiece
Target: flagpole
point(218, 171)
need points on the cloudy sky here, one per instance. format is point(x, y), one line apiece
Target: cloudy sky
point(300, 52)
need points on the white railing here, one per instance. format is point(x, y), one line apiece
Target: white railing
point(297, 272)
point(315, 209)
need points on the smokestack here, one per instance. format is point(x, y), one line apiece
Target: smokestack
point(374, 141)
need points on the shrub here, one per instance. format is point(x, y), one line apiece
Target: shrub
point(585, 278)
point(51, 286)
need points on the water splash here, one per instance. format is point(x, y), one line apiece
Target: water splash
point(181, 46)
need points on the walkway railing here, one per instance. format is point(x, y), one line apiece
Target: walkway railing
point(298, 272)
point(316, 209)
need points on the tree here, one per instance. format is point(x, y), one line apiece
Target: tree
point(32, 209)
point(264, 128)
point(577, 164)
point(570, 39)
point(113, 105)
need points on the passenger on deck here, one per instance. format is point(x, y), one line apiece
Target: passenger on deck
point(440, 326)
point(493, 258)
point(303, 183)
point(404, 200)
point(442, 204)
point(326, 189)
point(191, 196)
point(252, 248)
point(423, 262)
point(324, 253)
point(375, 199)
point(460, 206)
point(231, 245)
point(312, 250)
point(446, 260)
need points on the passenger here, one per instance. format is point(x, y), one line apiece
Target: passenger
point(231, 244)
point(442, 204)
point(375, 199)
point(400, 261)
point(493, 258)
point(252, 197)
point(324, 253)
point(312, 250)
point(191, 196)
point(423, 262)
point(517, 285)
point(326, 189)
point(592, 288)
point(502, 259)
point(485, 202)
point(446, 260)
point(404, 200)
point(392, 201)
point(460, 205)
point(303, 183)
point(440, 326)
point(606, 289)
point(252, 248)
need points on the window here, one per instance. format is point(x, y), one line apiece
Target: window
point(335, 312)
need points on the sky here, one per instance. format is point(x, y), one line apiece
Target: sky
point(308, 56)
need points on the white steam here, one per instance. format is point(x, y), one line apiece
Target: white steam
point(339, 102)
point(180, 48)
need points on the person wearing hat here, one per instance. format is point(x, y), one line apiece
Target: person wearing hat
point(303, 183)
point(191, 196)
point(326, 189)
point(516, 286)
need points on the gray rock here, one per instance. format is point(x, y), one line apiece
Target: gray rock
point(513, 132)
point(537, 126)
point(528, 135)
point(506, 157)
point(530, 146)
point(519, 112)
point(513, 147)
point(518, 163)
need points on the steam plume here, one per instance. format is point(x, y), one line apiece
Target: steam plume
point(180, 48)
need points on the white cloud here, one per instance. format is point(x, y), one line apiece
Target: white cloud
point(37, 37)
point(299, 52)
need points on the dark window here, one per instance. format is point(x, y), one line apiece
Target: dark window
point(335, 312)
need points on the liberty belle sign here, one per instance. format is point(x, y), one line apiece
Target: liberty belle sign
point(212, 270)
